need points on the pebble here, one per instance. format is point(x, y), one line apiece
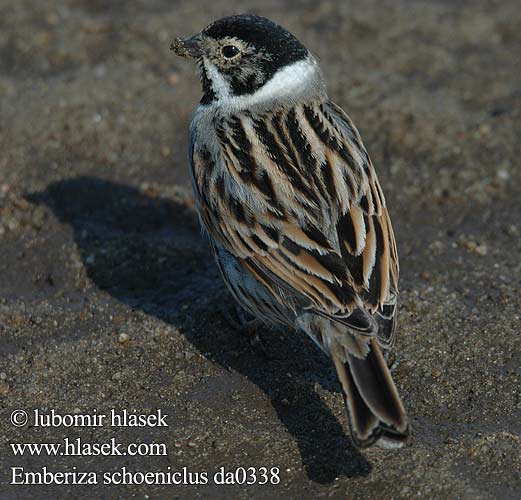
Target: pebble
point(173, 79)
point(474, 247)
point(503, 174)
point(481, 250)
point(123, 338)
point(425, 275)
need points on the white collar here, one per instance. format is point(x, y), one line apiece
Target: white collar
point(292, 83)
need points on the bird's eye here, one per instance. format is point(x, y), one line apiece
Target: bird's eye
point(229, 51)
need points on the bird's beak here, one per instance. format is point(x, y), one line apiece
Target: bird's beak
point(189, 47)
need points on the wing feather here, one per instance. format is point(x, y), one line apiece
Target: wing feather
point(333, 252)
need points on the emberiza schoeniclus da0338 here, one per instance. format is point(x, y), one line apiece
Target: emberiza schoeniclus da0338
point(293, 209)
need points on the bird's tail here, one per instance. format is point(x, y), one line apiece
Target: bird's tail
point(376, 413)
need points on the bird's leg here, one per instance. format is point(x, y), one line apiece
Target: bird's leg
point(246, 320)
point(250, 326)
point(242, 320)
point(237, 317)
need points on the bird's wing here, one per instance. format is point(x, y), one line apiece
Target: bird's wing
point(295, 197)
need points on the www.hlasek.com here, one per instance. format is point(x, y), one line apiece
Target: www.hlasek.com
point(76, 446)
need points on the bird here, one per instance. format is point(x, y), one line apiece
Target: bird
point(295, 215)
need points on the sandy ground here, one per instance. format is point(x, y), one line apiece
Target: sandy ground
point(109, 298)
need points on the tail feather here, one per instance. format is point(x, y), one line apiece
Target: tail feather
point(376, 413)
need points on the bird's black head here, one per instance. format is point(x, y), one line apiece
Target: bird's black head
point(239, 54)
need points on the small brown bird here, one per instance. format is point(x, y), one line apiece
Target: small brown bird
point(295, 215)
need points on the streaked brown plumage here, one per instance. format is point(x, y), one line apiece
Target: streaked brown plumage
point(295, 214)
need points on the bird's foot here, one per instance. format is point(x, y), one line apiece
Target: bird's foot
point(245, 322)
point(239, 318)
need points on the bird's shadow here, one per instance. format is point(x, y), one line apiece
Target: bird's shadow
point(148, 252)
